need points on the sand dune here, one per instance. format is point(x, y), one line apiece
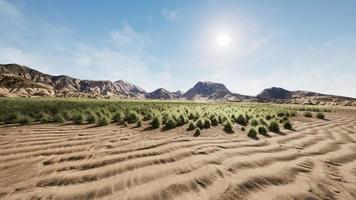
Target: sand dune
point(316, 161)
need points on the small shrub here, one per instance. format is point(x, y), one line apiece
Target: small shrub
point(200, 124)
point(197, 132)
point(243, 129)
point(287, 125)
point(252, 133)
point(156, 122)
point(268, 117)
point(254, 122)
point(182, 120)
point(118, 116)
point(308, 114)
point(25, 119)
point(45, 118)
point(103, 121)
point(139, 123)
point(207, 123)
point(92, 119)
point(262, 130)
point(274, 126)
point(171, 123)
point(59, 118)
point(228, 127)
point(241, 120)
point(320, 115)
point(132, 117)
point(214, 121)
point(191, 126)
point(79, 118)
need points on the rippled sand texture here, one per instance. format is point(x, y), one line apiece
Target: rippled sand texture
point(316, 161)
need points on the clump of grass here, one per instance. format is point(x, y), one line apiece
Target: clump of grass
point(274, 126)
point(79, 118)
point(103, 121)
point(308, 114)
point(241, 120)
point(287, 125)
point(243, 129)
point(132, 117)
point(252, 133)
point(200, 123)
point(156, 122)
point(59, 118)
point(118, 117)
point(254, 122)
point(181, 120)
point(262, 130)
point(170, 123)
point(197, 132)
point(320, 115)
point(25, 119)
point(228, 127)
point(139, 123)
point(207, 123)
point(92, 119)
point(191, 126)
point(214, 121)
point(45, 118)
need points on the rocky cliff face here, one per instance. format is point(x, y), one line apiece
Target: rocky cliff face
point(207, 89)
point(163, 94)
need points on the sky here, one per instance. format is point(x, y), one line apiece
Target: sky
point(297, 45)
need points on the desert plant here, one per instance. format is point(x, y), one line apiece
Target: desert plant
point(139, 123)
point(241, 120)
point(200, 123)
point(254, 122)
point(243, 128)
point(79, 118)
point(197, 132)
point(308, 114)
point(320, 115)
point(91, 119)
point(59, 118)
point(214, 121)
point(228, 127)
point(25, 119)
point(103, 121)
point(132, 117)
point(118, 116)
point(156, 122)
point(191, 126)
point(262, 130)
point(287, 125)
point(207, 123)
point(273, 126)
point(252, 133)
point(171, 123)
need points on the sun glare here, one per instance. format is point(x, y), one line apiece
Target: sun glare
point(223, 40)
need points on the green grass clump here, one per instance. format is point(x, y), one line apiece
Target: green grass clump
point(214, 121)
point(197, 132)
point(191, 126)
point(103, 121)
point(92, 119)
point(207, 123)
point(118, 117)
point(132, 117)
point(156, 122)
point(171, 123)
point(262, 130)
point(139, 123)
point(241, 120)
point(252, 133)
point(228, 127)
point(320, 115)
point(59, 118)
point(200, 124)
point(79, 118)
point(254, 122)
point(287, 125)
point(274, 126)
point(308, 114)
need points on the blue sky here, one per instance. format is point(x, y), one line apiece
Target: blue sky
point(306, 45)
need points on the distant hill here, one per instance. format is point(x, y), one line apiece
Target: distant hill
point(18, 80)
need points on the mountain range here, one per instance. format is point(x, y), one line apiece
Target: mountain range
point(18, 80)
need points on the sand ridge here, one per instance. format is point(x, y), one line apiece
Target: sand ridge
point(315, 161)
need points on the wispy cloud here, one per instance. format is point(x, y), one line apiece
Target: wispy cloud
point(172, 15)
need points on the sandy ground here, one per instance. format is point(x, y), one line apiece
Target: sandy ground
point(316, 161)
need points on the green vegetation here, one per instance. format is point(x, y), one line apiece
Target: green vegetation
point(169, 115)
point(252, 133)
point(197, 132)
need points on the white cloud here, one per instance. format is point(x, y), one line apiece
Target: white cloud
point(171, 15)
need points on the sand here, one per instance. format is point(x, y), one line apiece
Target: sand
point(50, 161)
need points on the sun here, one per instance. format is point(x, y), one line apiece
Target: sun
point(223, 39)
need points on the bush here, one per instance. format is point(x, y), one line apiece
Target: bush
point(45, 118)
point(25, 119)
point(132, 117)
point(243, 129)
point(171, 123)
point(182, 120)
point(103, 121)
point(308, 114)
point(156, 122)
point(139, 123)
point(79, 118)
point(91, 119)
point(214, 121)
point(252, 133)
point(241, 120)
point(197, 132)
point(200, 124)
point(262, 130)
point(59, 118)
point(207, 123)
point(268, 117)
point(118, 116)
point(254, 122)
point(274, 126)
point(228, 127)
point(287, 125)
point(320, 115)
point(191, 126)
